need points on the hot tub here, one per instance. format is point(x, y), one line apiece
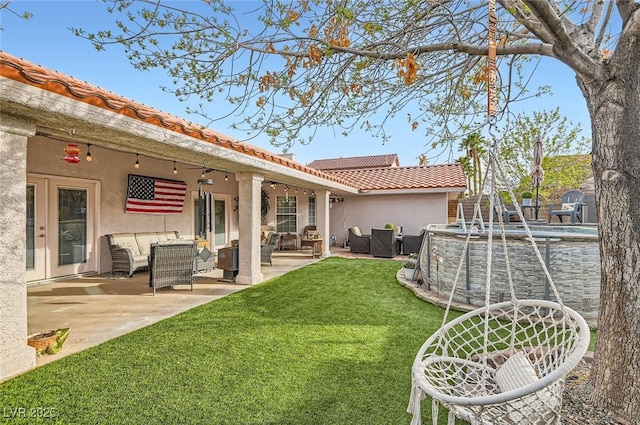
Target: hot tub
point(571, 254)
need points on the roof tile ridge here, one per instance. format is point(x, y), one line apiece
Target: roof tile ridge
point(42, 77)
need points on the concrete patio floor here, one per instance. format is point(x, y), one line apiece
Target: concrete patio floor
point(100, 308)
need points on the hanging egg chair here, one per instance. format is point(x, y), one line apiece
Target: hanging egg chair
point(503, 363)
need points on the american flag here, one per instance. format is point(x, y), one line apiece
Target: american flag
point(147, 195)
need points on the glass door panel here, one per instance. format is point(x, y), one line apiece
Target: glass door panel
point(36, 241)
point(220, 222)
point(72, 226)
point(31, 227)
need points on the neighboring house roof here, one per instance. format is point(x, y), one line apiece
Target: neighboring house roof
point(356, 162)
point(23, 71)
point(443, 176)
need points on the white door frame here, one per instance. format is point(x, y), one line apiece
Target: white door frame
point(47, 230)
point(211, 235)
point(40, 225)
point(227, 219)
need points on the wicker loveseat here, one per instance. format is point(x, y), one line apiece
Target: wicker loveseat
point(130, 251)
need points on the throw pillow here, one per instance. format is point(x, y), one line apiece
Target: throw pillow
point(534, 408)
point(356, 231)
point(569, 206)
point(516, 372)
point(205, 254)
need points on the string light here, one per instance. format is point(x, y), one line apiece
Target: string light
point(137, 164)
point(175, 170)
point(89, 157)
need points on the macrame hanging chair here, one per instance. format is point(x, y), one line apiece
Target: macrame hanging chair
point(503, 363)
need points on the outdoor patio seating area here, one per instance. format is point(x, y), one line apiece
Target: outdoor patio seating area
point(385, 243)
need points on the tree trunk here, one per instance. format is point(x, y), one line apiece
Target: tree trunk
point(614, 106)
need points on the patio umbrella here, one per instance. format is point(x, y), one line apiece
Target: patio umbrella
point(537, 175)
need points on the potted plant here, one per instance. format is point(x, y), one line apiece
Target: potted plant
point(408, 268)
point(526, 199)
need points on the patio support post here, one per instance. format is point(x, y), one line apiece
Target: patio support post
point(15, 355)
point(322, 219)
point(249, 194)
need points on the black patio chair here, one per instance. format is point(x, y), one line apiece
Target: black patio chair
point(359, 243)
point(411, 243)
point(571, 207)
point(383, 243)
point(506, 213)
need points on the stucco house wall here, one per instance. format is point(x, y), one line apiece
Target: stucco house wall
point(412, 211)
point(111, 170)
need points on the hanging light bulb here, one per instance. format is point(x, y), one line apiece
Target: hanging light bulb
point(226, 177)
point(175, 170)
point(203, 172)
point(89, 157)
point(137, 164)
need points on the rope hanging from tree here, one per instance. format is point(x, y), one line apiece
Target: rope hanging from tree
point(492, 97)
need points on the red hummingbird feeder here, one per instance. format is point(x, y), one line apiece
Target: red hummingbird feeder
point(72, 150)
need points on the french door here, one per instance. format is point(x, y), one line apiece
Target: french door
point(60, 231)
point(211, 218)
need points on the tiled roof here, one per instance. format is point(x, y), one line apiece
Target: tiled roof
point(398, 178)
point(23, 71)
point(355, 162)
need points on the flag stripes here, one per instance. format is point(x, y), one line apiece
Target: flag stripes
point(148, 195)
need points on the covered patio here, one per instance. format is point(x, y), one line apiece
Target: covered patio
point(68, 204)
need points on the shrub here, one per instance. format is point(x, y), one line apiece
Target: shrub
point(408, 265)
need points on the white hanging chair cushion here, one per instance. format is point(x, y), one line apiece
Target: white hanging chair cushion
point(518, 372)
point(515, 373)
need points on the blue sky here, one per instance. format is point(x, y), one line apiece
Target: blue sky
point(46, 40)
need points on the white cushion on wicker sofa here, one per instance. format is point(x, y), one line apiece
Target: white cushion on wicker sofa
point(145, 240)
point(139, 245)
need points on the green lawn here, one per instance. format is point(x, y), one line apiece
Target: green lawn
point(331, 343)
